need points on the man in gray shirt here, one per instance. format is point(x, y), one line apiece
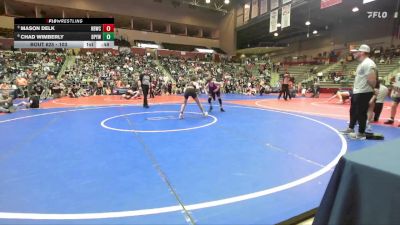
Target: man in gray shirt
point(145, 83)
point(363, 90)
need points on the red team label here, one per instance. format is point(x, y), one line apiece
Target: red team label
point(108, 27)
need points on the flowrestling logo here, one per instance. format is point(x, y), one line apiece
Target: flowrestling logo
point(61, 21)
point(377, 14)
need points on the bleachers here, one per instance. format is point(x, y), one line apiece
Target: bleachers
point(348, 70)
point(386, 69)
point(299, 72)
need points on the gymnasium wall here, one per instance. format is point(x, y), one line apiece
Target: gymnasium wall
point(309, 47)
point(376, 33)
point(362, 29)
point(315, 46)
point(6, 43)
point(7, 22)
point(132, 35)
point(227, 33)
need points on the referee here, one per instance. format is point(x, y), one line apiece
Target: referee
point(285, 87)
point(145, 82)
point(363, 90)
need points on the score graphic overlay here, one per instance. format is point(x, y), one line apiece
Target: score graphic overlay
point(64, 33)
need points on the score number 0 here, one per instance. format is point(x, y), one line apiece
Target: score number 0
point(108, 27)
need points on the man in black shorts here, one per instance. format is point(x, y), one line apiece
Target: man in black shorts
point(190, 91)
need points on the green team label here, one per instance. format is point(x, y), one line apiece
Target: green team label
point(108, 36)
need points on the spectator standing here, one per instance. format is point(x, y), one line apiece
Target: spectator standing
point(396, 99)
point(363, 90)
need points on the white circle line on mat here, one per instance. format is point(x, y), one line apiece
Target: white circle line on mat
point(103, 123)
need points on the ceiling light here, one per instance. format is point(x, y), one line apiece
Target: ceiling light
point(367, 1)
point(208, 1)
point(355, 9)
point(308, 23)
point(279, 25)
point(276, 34)
point(315, 32)
point(145, 45)
point(247, 6)
point(204, 50)
point(226, 1)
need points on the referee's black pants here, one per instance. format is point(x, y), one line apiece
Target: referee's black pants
point(377, 111)
point(145, 89)
point(359, 110)
point(285, 92)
